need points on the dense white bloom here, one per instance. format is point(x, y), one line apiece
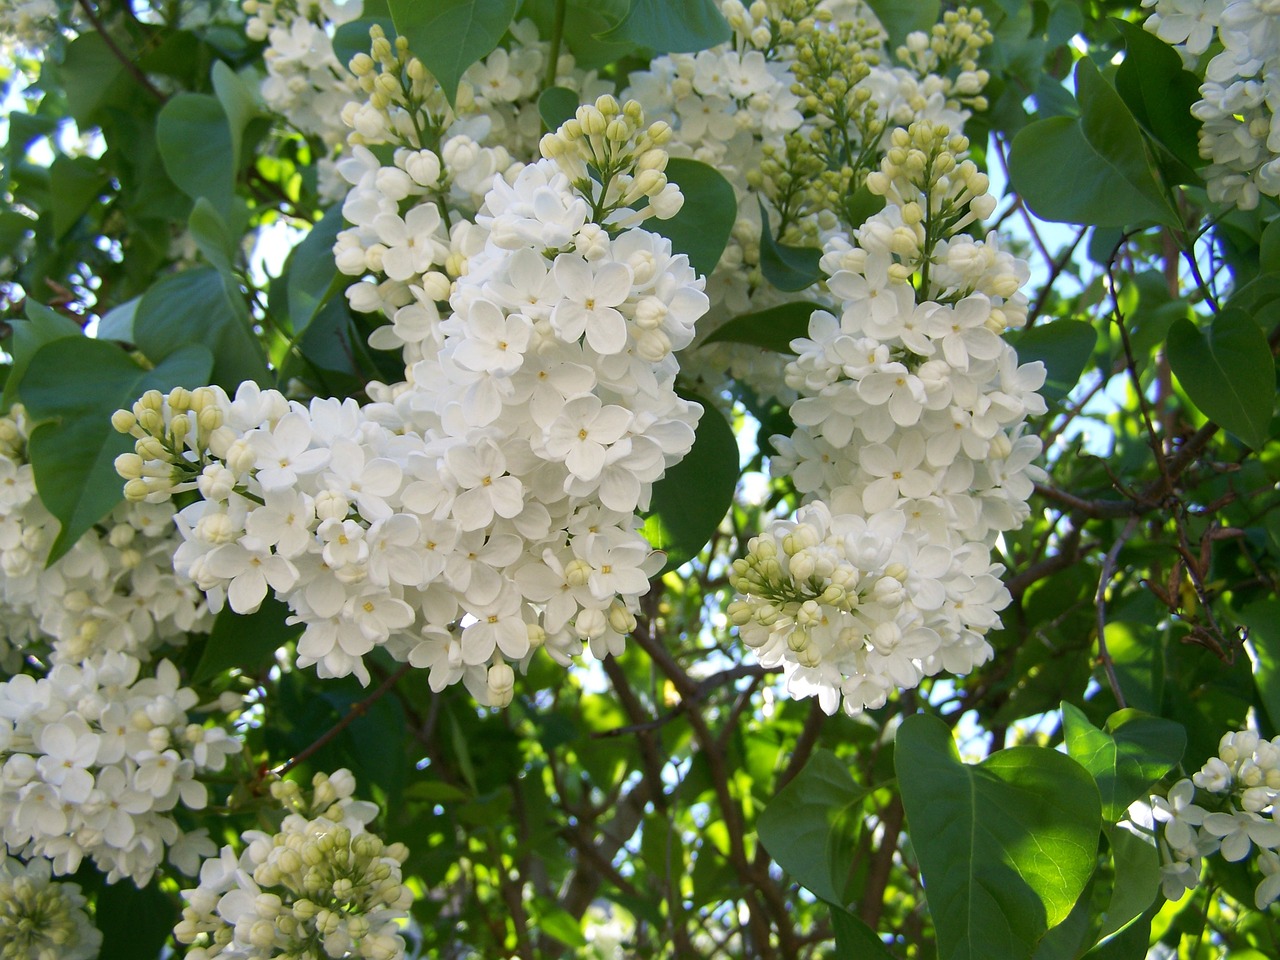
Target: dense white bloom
point(321, 881)
point(41, 918)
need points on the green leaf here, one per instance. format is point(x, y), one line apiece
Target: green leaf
point(1065, 347)
point(245, 642)
point(448, 36)
point(773, 329)
point(854, 938)
point(1127, 757)
point(117, 323)
point(353, 37)
point(556, 105)
point(1263, 621)
point(196, 306)
point(211, 235)
point(75, 385)
point(134, 923)
point(701, 228)
point(94, 78)
point(787, 268)
point(1228, 372)
point(1160, 93)
point(1136, 866)
point(665, 27)
point(861, 205)
point(557, 922)
point(311, 272)
point(1093, 169)
point(1005, 846)
point(693, 496)
point(1269, 248)
point(239, 101)
point(197, 148)
point(811, 826)
point(899, 19)
point(43, 325)
point(74, 183)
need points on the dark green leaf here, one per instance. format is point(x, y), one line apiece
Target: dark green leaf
point(76, 384)
point(1228, 372)
point(1137, 880)
point(787, 268)
point(1160, 93)
point(1130, 943)
point(773, 329)
point(899, 19)
point(584, 21)
point(701, 228)
point(1006, 846)
point(196, 146)
point(448, 36)
point(94, 78)
point(196, 306)
point(353, 37)
point(692, 497)
point(1065, 347)
point(211, 235)
point(861, 205)
point(43, 325)
point(117, 323)
point(556, 105)
point(811, 826)
point(245, 642)
point(1127, 757)
point(134, 923)
point(1269, 248)
point(239, 101)
point(74, 182)
point(1093, 169)
point(665, 27)
point(312, 271)
point(1263, 621)
point(854, 938)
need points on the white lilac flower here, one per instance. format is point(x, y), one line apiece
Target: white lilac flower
point(42, 918)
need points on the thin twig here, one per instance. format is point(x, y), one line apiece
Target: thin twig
point(133, 69)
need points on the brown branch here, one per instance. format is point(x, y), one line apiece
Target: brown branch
point(130, 67)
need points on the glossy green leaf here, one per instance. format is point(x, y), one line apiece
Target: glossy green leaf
point(1093, 169)
point(117, 323)
point(245, 642)
point(43, 325)
point(71, 388)
point(693, 496)
point(1160, 93)
point(448, 36)
point(773, 329)
point(1136, 868)
point(701, 228)
point(1127, 757)
point(556, 105)
point(1228, 372)
point(787, 268)
point(311, 271)
point(899, 19)
point(584, 22)
point(811, 826)
point(196, 146)
point(196, 306)
point(1263, 622)
point(1064, 346)
point(1005, 846)
point(665, 27)
point(239, 102)
point(854, 938)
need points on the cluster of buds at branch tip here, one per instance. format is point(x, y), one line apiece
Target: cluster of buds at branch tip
point(173, 434)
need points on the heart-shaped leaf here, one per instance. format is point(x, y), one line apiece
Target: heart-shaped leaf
point(1228, 372)
point(1006, 846)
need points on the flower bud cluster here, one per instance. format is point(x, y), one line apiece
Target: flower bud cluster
point(851, 607)
point(173, 434)
point(950, 50)
point(615, 162)
point(113, 590)
point(321, 886)
point(910, 414)
point(1227, 807)
point(1239, 109)
point(305, 82)
point(95, 757)
point(41, 918)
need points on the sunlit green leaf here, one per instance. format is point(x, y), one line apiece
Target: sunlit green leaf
point(1126, 757)
point(448, 36)
point(1006, 846)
